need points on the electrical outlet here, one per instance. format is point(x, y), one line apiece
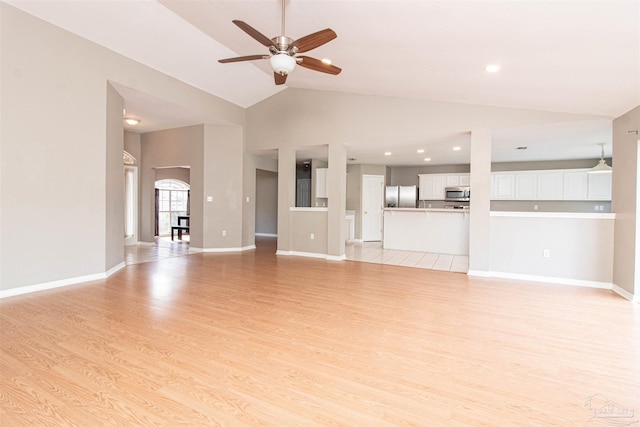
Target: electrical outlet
point(595, 208)
point(209, 198)
point(546, 253)
point(535, 207)
point(247, 199)
point(224, 233)
point(313, 236)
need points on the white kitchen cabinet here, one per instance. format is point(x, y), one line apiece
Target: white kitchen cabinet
point(439, 184)
point(575, 185)
point(550, 185)
point(432, 186)
point(322, 189)
point(504, 186)
point(453, 180)
point(557, 184)
point(599, 186)
point(425, 187)
point(526, 186)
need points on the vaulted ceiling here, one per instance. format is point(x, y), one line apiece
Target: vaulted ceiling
point(565, 56)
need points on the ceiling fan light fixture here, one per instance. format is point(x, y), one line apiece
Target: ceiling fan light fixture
point(282, 63)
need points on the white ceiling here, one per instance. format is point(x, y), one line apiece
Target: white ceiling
point(566, 56)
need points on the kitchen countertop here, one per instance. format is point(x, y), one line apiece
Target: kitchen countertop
point(425, 210)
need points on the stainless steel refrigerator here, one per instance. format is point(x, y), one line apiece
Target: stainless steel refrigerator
point(401, 196)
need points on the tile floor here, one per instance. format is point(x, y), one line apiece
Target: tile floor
point(374, 252)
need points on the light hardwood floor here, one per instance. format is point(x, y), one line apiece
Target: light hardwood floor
point(254, 339)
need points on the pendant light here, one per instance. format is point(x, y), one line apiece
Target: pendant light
point(602, 166)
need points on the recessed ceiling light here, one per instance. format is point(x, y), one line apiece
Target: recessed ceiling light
point(387, 153)
point(457, 148)
point(420, 151)
point(352, 159)
point(521, 148)
point(131, 121)
point(326, 61)
point(427, 159)
point(492, 68)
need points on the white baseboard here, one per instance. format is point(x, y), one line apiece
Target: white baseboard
point(312, 255)
point(146, 243)
point(219, 250)
point(60, 283)
point(543, 279)
point(625, 294)
point(266, 235)
point(479, 273)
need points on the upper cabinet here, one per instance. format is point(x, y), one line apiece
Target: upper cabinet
point(569, 184)
point(432, 186)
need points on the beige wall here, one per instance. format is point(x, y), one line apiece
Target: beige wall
point(480, 173)
point(625, 202)
point(223, 176)
point(181, 174)
point(58, 166)
point(299, 117)
point(114, 183)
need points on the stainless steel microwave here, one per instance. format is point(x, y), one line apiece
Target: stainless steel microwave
point(457, 194)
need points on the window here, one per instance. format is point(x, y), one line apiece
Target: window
point(173, 201)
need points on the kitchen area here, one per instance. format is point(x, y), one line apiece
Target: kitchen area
point(536, 208)
point(412, 223)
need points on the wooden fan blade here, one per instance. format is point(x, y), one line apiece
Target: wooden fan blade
point(255, 33)
point(279, 78)
point(243, 58)
point(314, 40)
point(317, 65)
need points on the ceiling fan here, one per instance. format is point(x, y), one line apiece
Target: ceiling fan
point(283, 51)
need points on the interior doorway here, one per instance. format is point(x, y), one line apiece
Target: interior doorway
point(372, 204)
point(266, 205)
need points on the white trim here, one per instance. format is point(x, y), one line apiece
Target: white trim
point(568, 215)
point(146, 243)
point(293, 209)
point(308, 254)
point(479, 273)
point(266, 235)
point(312, 255)
point(625, 294)
point(115, 269)
point(220, 250)
point(59, 283)
point(548, 279)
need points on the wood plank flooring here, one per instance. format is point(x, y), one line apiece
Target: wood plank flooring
point(254, 339)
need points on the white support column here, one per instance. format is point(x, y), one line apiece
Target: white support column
point(480, 206)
